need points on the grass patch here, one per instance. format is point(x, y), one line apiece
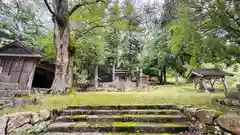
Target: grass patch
point(184, 95)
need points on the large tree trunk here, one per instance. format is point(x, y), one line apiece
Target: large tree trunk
point(63, 68)
point(96, 78)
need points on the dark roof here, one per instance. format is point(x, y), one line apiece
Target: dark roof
point(120, 71)
point(18, 49)
point(208, 72)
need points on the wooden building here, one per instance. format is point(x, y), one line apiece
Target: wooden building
point(208, 77)
point(18, 63)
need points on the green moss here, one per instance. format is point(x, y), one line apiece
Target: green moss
point(124, 124)
point(71, 91)
point(171, 125)
point(157, 116)
point(136, 134)
point(26, 97)
point(218, 113)
point(215, 112)
point(79, 117)
point(93, 124)
point(83, 124)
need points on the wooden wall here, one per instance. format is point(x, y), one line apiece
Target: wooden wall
point(15, 50)
point(21, 70)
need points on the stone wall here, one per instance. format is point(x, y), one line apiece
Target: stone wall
point(9, 86)
point(213, 122)
point(4, 78)
point(11, 124)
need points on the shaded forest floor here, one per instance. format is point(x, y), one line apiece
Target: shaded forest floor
point(183, 95)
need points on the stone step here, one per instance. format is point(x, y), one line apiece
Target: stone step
point(119, 112)
point(117, 127)
point(92, 133)
point(121, 107)
point(124, 118)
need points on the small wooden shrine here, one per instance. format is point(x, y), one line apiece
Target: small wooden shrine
point(208, 77)
point(121, 78)
point(18, 64)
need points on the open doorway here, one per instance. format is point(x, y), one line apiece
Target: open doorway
point(43, 78)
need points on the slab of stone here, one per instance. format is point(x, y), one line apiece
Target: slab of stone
point(3, 125)
point(207, 115)
point(18, 119)
point(124, 118)
point(115, 112)
point(9, 86)
point(107, 128)
point(121, 107)
point(4, 78)
point(25, 127)
point(35, 118)
point(234, 95)
point(44, 114)
point(229, 122)
point(190, 113)
point(206, 128)
point(75, 133)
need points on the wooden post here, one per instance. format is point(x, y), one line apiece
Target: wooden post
point(117, 82)
point(113, 71)
point(204, 85)
point(140, 79)
point(176, 79)
point(96, 78)
point(225, 86)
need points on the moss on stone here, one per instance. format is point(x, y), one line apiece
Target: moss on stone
point(26, 97)
point(79, 116)
point(171, 125)
point(136, 134)
point(124, 124)
point(80, 124)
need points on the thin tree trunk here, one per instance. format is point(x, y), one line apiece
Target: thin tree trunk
point(140, 79)
point(96, 78)
point(113, 70)
point(61, 42)
point(164, 76)
point(160, 77)
point(176, 79)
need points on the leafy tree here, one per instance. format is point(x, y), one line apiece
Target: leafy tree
point(20, 20)
point(64, 50)
point(206, 28)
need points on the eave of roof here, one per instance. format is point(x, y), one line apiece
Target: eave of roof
point(20, 55)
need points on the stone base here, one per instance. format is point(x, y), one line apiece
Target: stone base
point(14, 93)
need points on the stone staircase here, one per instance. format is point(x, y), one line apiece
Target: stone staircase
point(121, 119)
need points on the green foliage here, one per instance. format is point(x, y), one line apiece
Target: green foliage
point(35, 130)
point(20, 20)
point(46, 45)
point(206, 30)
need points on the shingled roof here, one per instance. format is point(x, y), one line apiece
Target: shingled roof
point(208, 72)
point(18, 49)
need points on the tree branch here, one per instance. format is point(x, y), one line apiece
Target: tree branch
point(49, 8)
point(82, 4)
point(86, 31)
